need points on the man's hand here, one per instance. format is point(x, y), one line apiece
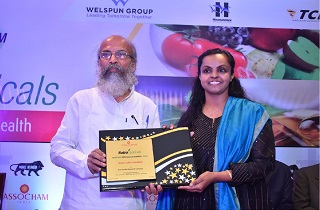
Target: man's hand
point(151, 189)
point(96, 160)
point(170, 127)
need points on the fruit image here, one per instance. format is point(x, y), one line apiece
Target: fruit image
point(302, 54)
point(181, 51)
point(296, 74)
point(287, 72)
point(193, 67)
point(279, 70)
point(241, 62)
point(177, 50)
point(262, 63)
point(270, 39)
point(242, 73)
point(313, 36)
point(226, 36)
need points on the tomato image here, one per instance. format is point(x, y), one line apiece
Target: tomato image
point(243, 73)
point(177, 50)
point(239, 58)
point(180, 50)
point(193, 67)
point(240, 64)
point(202, 45)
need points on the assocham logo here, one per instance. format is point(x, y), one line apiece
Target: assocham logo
point(304, 15)
point(24, 196)
point(221, 11)
point(119, 12)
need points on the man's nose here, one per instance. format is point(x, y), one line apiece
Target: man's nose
point(113, 59)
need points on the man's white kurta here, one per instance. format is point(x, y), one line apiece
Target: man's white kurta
point(89, 111)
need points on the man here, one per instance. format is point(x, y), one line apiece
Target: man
point(279, 184)
point(112, 104)
point(306, 187)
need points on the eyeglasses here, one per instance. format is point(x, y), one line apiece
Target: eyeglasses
point(120, 54)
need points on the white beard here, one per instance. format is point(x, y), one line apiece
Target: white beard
point(116, 84)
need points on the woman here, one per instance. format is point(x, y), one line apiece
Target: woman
point(233, 142)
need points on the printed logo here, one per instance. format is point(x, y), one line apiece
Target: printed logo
point(24, 188)
point(3, 37)
point(116, 2)
point(304, 15)
point(219, 10)
point(24, 196)
point(30, 167)
point(119, 12)
point(291, 12)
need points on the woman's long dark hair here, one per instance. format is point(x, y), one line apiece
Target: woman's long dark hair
point(197, 98)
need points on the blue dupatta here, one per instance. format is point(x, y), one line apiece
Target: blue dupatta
point(244, 121)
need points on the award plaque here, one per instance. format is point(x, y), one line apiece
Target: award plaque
point(137, 157)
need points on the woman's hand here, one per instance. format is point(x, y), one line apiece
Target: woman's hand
point(201, 183)
point(96, 160)
point(191, 133)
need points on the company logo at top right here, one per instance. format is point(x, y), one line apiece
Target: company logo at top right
point(304, 15)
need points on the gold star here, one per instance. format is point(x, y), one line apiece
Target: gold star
point(192, 179)
point(121, 138)
point(108, 138)
point(184, 171)
point(178, 170)
point(190, 166)
point(173, 175)
point(164, 181)
point(175, 181)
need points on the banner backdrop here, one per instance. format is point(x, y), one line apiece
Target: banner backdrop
point(48, 51)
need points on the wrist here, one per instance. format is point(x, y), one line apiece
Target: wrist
point(229, 173)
